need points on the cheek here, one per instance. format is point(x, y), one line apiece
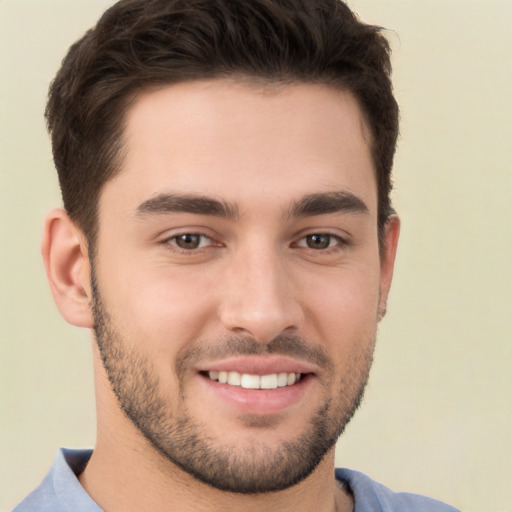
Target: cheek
point(343, 308)
point(157, 303)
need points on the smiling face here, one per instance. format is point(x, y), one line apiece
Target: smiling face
point(237, 278)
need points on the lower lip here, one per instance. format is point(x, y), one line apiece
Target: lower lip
point(259, 401)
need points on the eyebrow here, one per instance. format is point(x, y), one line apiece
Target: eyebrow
point(309, 205)
point(187, 203)
point(328, 202)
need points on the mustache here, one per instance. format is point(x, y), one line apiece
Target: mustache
point(286, 345)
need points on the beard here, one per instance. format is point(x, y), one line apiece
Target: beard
point(187, 442)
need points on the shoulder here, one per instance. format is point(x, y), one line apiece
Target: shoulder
point(60, 490)
point(41, 499)
point(371, 496)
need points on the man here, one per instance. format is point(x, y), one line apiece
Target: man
point(229, 241)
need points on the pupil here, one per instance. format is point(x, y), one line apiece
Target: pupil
point(188, 241)
point(318, 241)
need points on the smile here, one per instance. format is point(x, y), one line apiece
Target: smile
point(248, 381)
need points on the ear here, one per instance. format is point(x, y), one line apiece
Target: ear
point(387, 261)
point(65, 256)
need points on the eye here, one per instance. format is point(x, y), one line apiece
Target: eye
point(190, 241)
point(319, 241)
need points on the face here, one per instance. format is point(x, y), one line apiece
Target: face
point(237, 280)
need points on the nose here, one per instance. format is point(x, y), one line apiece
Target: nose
point(260, 298)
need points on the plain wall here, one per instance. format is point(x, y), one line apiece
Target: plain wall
point(438, 411)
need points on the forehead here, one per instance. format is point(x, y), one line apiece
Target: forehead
point(236, 140)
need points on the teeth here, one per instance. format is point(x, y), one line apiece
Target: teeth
point(282, 380)
point(269, 381)
point(247, 381)
point(250, 381)
point(234, 379)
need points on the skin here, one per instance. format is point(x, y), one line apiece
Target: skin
point(261, 151)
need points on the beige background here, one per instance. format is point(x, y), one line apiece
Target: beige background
point(438, 413)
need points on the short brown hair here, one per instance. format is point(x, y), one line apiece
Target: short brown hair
point(142, 43)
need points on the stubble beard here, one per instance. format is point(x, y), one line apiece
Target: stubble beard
point(186, 441)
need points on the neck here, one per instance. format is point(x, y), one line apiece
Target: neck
point(138, 478)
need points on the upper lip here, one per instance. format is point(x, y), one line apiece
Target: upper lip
point(258, 365)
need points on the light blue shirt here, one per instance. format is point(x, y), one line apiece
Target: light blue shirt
point(60, 491)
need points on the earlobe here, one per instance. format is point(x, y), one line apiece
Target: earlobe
point(64, 251)
point(387, 261)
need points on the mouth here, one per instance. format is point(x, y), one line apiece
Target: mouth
point(251, 381)
point(258, 385)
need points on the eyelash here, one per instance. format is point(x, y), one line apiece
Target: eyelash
point(174, 241)
point(339, 242)
point(334, 243)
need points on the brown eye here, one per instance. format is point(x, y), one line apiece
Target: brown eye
point(319, 241)
point(188, 241)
